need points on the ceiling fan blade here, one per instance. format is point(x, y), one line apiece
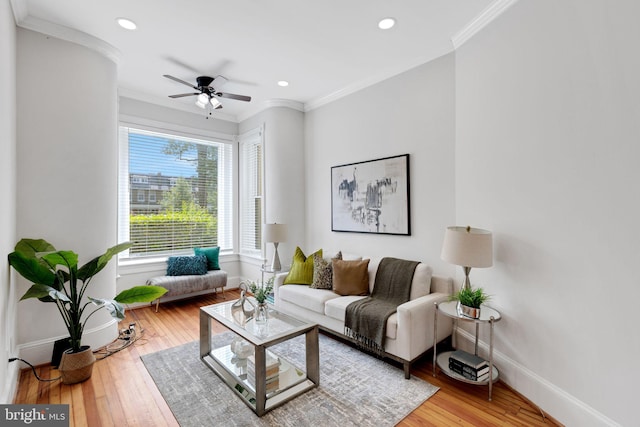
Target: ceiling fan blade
point(234, 96)
point(219, 82)
point(175, 79)
point(183, 95)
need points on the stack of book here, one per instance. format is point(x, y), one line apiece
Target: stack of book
point(468, 365)
point(273, 372)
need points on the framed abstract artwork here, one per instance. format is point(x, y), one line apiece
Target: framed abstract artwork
point(371, 196)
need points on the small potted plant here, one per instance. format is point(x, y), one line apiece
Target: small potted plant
point(470, 300)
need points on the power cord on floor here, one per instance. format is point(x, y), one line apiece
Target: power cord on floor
point(13, 359)
point(126, 338)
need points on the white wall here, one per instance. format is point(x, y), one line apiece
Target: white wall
point(8, 298)
point(284, 176)
point(409, 113)
point(548, 142)
point(66, 173)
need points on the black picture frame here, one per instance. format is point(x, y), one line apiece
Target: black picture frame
point(372, 196)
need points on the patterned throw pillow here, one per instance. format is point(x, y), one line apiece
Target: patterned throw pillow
point(212, 254)
point(301, 272)
point(323, 272)
point(186, 265)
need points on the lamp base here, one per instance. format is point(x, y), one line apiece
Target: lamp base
point(275, 264)
point(466, 284)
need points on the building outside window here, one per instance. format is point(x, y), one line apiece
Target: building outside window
point(188, 186)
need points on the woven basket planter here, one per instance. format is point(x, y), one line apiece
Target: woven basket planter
point(77, 367)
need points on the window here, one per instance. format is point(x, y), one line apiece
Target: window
point(191, 202)
point(251, 192)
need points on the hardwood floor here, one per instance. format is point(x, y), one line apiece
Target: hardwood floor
point(121, 392)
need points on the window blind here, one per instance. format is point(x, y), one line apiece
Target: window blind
point(251, 193)
point(175, 193)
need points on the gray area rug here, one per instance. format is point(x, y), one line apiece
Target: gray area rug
point(355, 389)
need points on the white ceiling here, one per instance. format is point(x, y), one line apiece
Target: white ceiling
point(325, 49)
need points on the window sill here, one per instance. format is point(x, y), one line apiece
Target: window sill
point(153, 264)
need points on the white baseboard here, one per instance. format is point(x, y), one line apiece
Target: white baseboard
point(554, 401)
point(39, 352)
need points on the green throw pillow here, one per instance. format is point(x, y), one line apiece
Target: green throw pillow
point(301, 272)
point(212, 255)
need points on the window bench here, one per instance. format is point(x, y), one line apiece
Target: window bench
point(185, 285)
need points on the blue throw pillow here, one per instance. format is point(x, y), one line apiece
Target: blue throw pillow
point(212, 255)
point(186, 265)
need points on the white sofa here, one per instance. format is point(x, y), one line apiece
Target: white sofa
point(409, 331)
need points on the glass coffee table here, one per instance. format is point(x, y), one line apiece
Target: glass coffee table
point(262, 378)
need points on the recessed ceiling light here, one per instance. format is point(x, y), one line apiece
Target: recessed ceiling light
point(126, 23)
point(386, 23)
point(283, 83)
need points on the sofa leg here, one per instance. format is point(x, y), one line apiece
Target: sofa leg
point(223, 295)
point(407, 370)
point(157, 304)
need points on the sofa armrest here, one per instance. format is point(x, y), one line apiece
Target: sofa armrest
point(415, 325)
point(277, 282)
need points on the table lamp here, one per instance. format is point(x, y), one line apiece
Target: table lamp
point(467, 247)
point(275, 233)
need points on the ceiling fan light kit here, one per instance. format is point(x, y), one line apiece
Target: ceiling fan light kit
point(206, 94)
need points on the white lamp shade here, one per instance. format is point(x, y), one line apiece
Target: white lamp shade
point(275, 233)
point(468, 247)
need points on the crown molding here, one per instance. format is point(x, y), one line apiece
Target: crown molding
point(169, 103)
point(287, 103)
point(363, 84)
point(27, 22)
point(492, 11)
point(271, 103)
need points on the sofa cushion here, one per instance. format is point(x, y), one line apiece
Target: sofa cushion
point(421, 283)
point(350, 277)
point(212, 254)
point(323, 272)
point(337, 307)
point(186, 265)
point(305, 297)
point(301, 272)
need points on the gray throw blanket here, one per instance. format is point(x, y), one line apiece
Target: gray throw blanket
point(366, 319)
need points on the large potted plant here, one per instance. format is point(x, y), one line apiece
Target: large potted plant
point(57, 279)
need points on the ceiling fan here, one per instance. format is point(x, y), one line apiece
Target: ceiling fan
point(207, 94)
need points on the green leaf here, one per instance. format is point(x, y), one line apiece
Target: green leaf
point(140, 294)
point(31, 247)
point(32, 269)
point(67, 258)
point(115, 309)
point(43, 292)
point(94, 266)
